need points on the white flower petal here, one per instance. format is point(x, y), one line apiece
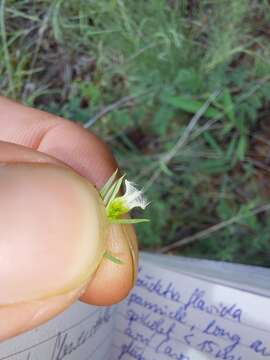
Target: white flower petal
point(133, 197)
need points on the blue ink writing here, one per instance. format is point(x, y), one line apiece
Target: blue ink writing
point(136, 336)
point(64, 346)
point(259, 347)
point(197, 301)
point(189, 336)
point(215, 330)
point(156, 286)
point(156, 326)
point(179, 315)
point(135, 352)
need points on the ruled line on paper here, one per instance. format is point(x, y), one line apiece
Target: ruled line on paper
point(225, 318)
point(172, 338)
point(188, 327)
point(217, 316)
point(51, 337)
point(179, 301)
point(170, 316)
point(90, 356)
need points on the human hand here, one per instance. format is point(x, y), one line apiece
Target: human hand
point(29, 135)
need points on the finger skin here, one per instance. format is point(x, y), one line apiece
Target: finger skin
point(18, 318)
point(59, 138)
point(122, 241)
point(48, 138)
point(53, 231)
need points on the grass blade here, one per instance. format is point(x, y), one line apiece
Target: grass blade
point(103, 191)
point(112, 258)
point(128, 221)
point(115, 189)
point(192, 106)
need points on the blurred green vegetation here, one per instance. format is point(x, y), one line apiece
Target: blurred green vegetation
point(140, 74)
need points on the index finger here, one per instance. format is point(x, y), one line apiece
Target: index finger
point(55, 136)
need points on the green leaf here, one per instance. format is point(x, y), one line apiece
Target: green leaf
point(227, 128)
point(228, 105)
point(212, 142)
point(128, 221)
point(242, 147)
point(230, 153)
point(113, 190)
point(241, 124)
point(224, 209)
point(161, 120)
point(192, 106)
point(112, 258)
point(214, 166)
point(188, 79)
point(103, 191)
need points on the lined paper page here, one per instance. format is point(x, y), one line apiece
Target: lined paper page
point(177, 317)
point(229, 274)
point(82, 332)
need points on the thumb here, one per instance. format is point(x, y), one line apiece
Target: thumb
point(51, 238)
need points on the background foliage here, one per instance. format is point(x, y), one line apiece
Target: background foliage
point(136, 73)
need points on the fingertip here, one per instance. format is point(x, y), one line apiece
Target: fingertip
point(112, 282)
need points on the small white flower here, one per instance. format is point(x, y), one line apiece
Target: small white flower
point(123, 204)
point(116, 205)
point(133, 197)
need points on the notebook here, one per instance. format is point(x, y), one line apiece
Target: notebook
point(180, 309)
